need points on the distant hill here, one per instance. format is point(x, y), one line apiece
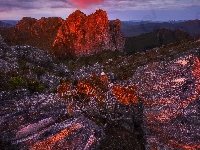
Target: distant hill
point(130, 28)
point(12, 22)
point(5, 25)
point(154, 39)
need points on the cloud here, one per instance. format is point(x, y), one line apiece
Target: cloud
point(85, 3)
point(6, 5)
point(39, 8)
point(32, 4)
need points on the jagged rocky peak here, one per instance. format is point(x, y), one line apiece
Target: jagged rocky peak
point(76, 13)
point(46, 25)
point(35, 27)
point(25, 23)
point(85, 35)
point(78, 35)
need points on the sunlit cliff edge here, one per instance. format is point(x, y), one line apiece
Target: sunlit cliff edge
point(78, 35)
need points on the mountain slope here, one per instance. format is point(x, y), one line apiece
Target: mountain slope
point(154, 39)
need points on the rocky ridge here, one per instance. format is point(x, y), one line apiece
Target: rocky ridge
point(78, 35)
point(90, 34)
point(157, 107)
point(170, 94)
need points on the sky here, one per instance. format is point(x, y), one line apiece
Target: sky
point(125, 10)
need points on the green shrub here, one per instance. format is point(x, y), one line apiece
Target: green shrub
point(16, 83)
point(35, 86)
point(20, 82)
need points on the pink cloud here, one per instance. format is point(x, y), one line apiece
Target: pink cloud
point(86, 3)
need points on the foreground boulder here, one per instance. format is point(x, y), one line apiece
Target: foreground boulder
point(25, 69)
point(169, 91)
point(41, 122)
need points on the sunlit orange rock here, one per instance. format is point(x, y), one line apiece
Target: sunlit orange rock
point(77, 35)
point(64, 90)
point(49, 143)
point(104, 77)
point(85, 88)
point(83, 35)
point(22, 30)
point(46, 26)
point(125, 95)
point(38, 33)
point(93, 87)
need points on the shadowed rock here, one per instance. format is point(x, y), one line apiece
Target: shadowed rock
point(42, 126)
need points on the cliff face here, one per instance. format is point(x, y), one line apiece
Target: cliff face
point(77, 35)
point(39, 33)
point(22, 30)
point(83, 35)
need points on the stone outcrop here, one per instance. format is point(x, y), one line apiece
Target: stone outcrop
point(30, 67)
point(38, 33)
point(157, 108)
point(84, 35)
point(33, 123)
point(170, 92)
point(77, 35)
point(22, 30)
point(38, 121)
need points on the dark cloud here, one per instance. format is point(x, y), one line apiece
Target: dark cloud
point(105, 4)
point(17, 4)
point(33, 4)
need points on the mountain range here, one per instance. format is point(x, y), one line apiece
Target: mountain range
point(5, 25)
point(130, 28)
